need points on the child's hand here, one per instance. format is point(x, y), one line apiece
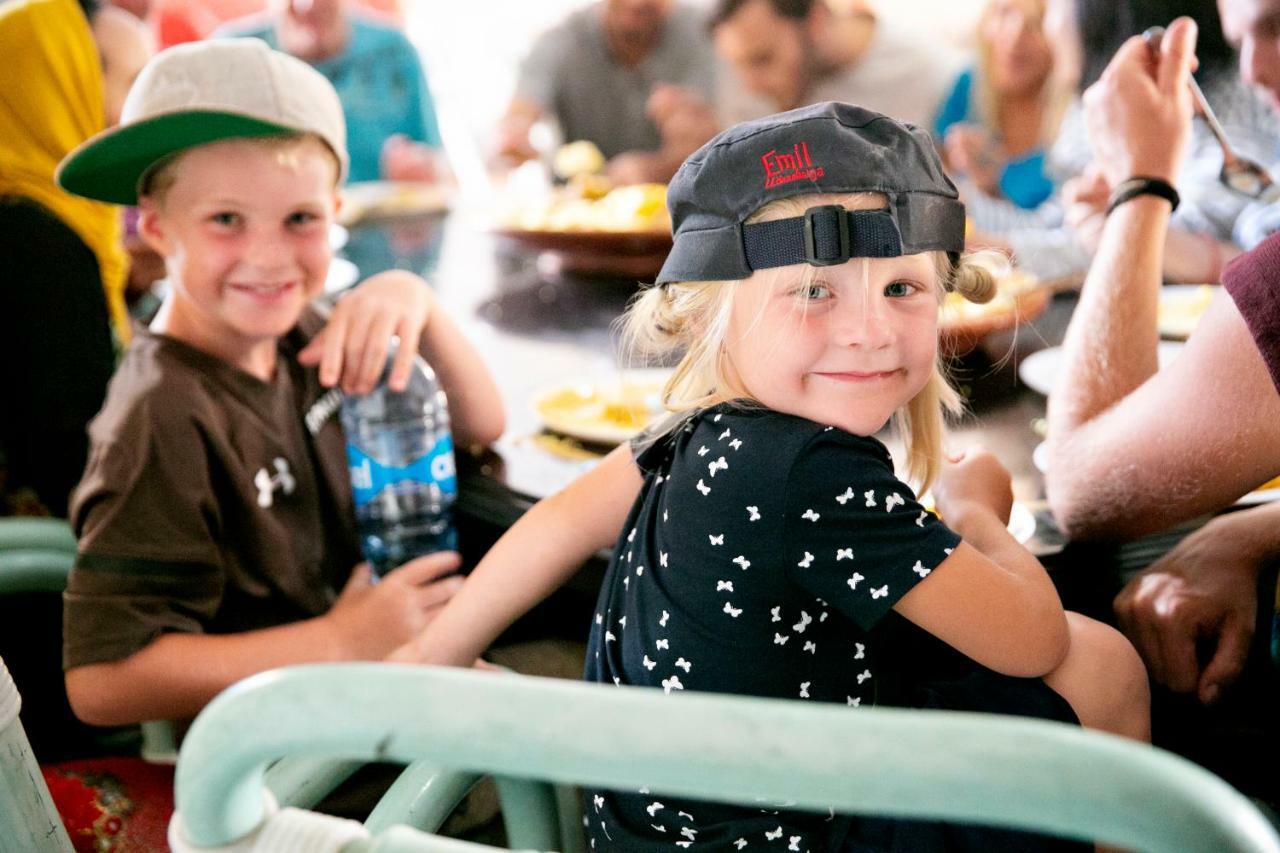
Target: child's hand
point(974, 478)
point(352, 347)
point(370, 620)
point(403, 159)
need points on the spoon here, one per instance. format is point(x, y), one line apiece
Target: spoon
point(1238, 173)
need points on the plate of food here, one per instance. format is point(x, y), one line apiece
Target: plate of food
point(589, 224)
point(387, 199)
point(962, 324)
point(1040, 370)
point(1181, 307)
point(608, 412)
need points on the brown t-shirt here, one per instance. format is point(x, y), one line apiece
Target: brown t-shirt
point(212, 501)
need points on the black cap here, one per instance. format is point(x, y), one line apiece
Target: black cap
point(828, 148)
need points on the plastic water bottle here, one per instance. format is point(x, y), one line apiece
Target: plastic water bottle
point(400, 455)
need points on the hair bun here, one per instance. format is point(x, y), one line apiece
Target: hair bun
point(975, 282)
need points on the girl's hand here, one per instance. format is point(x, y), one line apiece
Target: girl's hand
point(352, 347)
point(975, 478)
point(370, 620)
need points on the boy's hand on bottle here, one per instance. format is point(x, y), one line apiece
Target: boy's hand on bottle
point(370, 619)
point(975, 478)
point(351, 349)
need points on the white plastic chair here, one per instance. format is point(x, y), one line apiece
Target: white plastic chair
point(994, 770)
point(28, 819)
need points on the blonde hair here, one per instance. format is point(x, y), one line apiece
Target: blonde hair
point(1054, 99)
point(160, 177)
point(691, 318)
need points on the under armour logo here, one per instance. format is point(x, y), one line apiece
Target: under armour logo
point(267, 484)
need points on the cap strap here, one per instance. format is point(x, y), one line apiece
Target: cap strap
point(825, 235)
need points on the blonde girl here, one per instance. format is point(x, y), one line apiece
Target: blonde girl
point(762, 543)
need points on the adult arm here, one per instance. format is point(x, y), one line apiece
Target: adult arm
point(1134, 450)
point(534, 96)
point(531, 560)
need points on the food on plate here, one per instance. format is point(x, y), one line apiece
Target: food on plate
point(590, 203)
point(373, 199)
point(1181, 308)
point(1010, 288)
point(605, 413)
point(963, 324)
point(577, 158)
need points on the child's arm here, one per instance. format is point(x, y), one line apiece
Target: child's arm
point(352, 348)
point(538, 554)
point(176, 674)
point(991, 599)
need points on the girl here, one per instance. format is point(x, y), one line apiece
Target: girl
point(762, 542)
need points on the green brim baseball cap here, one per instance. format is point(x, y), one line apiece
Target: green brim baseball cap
point(195, 94)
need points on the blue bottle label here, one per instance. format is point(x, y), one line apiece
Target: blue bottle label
point(369, 476)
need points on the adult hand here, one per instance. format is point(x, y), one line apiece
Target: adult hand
point(369, 619)
point(1084, 201)
point(352, 347)
point(683, 117)
point(403, 159)
point(1139, 111)
point(1202, 593)
point(975, 478)
point(634, 167)
point(971, 151)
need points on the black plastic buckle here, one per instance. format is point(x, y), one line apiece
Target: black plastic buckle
point(842, 229)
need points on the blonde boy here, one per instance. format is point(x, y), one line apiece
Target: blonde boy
point(214, 518)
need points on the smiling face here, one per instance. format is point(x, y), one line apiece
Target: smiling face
point(1019, 55)
point(845, 345)
point(1253, 27)
point(244, 230)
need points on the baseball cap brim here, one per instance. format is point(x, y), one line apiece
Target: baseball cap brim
point(108, 166)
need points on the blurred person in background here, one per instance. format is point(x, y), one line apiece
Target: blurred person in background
point(1003, 111)
point(634, 77)
point(67, 67)
point(1057, 239)
point(392, 131)
point(789, 53)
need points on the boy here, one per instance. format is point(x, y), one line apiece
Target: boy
point(214, 517)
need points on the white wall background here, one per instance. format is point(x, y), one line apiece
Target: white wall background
point(471, 49)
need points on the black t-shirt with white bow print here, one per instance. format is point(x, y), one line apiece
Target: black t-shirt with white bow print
point(761, 558)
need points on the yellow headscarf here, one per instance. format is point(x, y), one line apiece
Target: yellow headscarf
point(50, 102)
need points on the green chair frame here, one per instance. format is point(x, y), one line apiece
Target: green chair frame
point(994, 770)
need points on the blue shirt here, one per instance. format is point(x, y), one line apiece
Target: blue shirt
point(1023, 180)
point(380, 82)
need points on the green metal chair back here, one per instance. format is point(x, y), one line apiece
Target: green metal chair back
point(995, 770)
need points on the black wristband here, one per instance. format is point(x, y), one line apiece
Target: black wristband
point(1136, 186)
